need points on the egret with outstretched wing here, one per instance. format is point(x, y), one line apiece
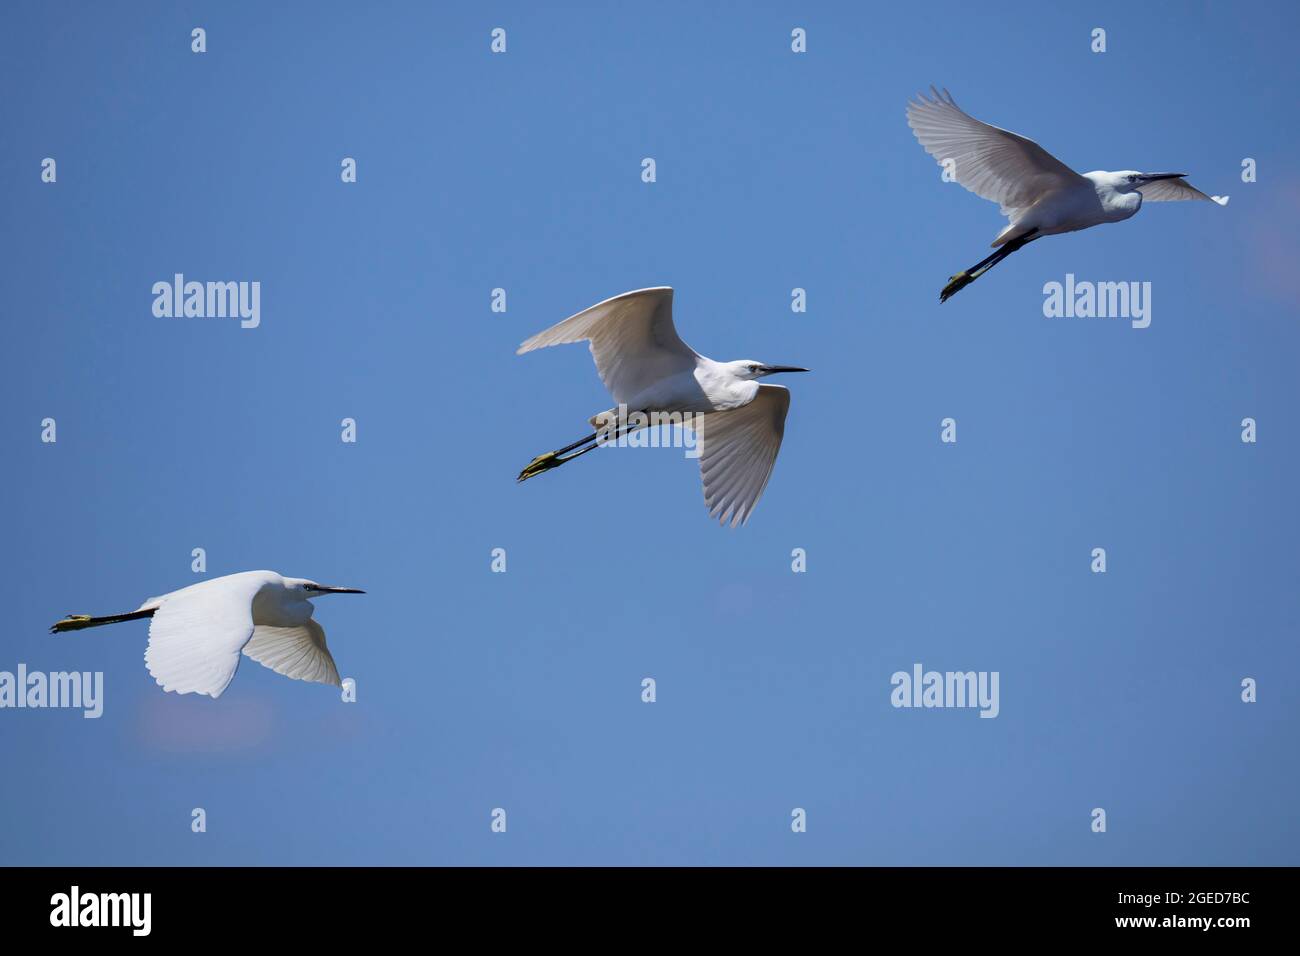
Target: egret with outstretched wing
point(1038, 193)
point(649, 369)
point(196, 634)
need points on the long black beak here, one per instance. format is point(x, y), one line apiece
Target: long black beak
point(328, 590)
point(1152, 177)
point(773, 369)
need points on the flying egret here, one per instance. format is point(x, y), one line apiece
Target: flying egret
point(1037, 192)
point(196, 633)
point(649, 369)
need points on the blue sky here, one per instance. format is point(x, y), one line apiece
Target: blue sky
point(522, 690)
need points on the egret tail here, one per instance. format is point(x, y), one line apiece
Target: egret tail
point(75, 622)
point(964, 278)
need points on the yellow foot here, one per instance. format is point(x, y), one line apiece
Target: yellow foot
point(71, 619)
point(958, 282)
point(540, 464)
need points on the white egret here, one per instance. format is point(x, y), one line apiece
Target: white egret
point(196, 634)
point(1037, 192)
point(649, 369)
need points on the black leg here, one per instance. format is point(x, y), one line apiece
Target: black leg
point(579, 442)
point(76, 622)
point(554, 459)
point(967, 276)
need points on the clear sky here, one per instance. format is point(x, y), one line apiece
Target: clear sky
point(775, 170)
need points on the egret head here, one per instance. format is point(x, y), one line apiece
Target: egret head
point(310, 589)
point(747, 369)
point(1130, 180)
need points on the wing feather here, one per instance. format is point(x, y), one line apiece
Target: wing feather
point(197, 632)
point(1005, 167)
point(738, 450)
point(633, 340)
point(1174, 190)
point(296, 652)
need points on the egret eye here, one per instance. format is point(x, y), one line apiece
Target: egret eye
point(753, 368)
